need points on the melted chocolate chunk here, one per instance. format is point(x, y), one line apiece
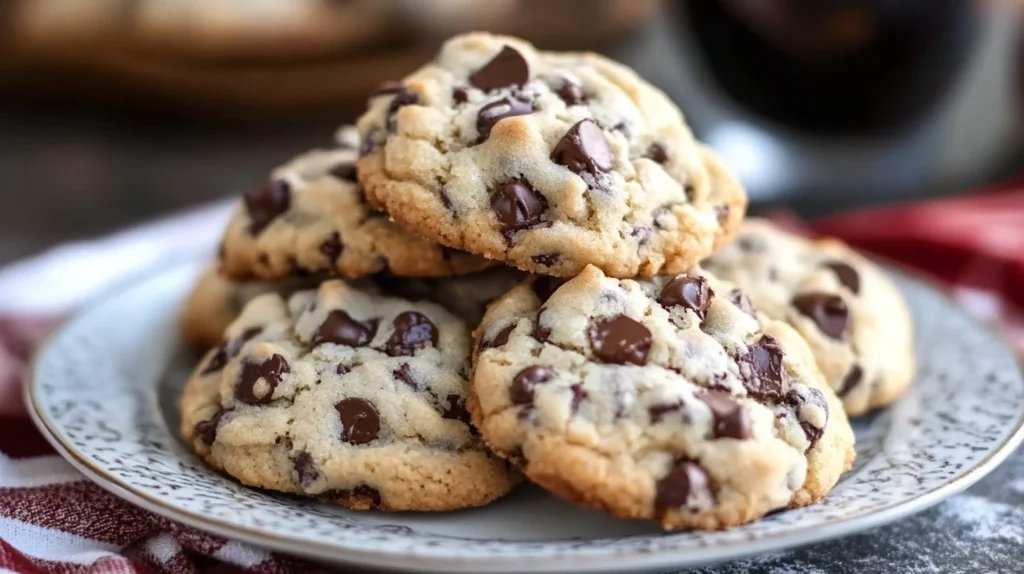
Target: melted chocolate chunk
point(305, 468)
point(763, 360)
point(264, 204)
point(456, 409)
point(620, 340)
point(229, 350)
point(658, 412)
point(460, 95)
point(508, 68)
point(412, 331)
point(494, 112)
point(686, 485)
point(526, 380)
point(571, 93)
point(741, 300)
point(207, 430)
point(270, 371)
point(584, 149)
point(340, 328)
point(332, 247)
point(730, 418)
point(847, 275)
point(657, 153)
point(829, 312)
point(404, 374)
point(689, 292)
point(360, 422)
point(517, 206)
point(546, 259)
point(850, 381)
point(809, 397)
point(499, 339)
point(404, 97)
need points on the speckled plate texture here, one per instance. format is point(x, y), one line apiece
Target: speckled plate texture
point(104, 390)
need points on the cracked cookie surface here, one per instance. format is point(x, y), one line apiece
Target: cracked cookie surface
point(545, 161)
point(666, 399)
point(348, 397)
point(311, 218)
point(852, 316)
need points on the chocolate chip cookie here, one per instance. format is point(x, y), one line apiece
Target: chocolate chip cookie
point(216, 301)
point(667, 398)
point(854, 319)
point(352, 398)
point(545, 161)
point(311, 218)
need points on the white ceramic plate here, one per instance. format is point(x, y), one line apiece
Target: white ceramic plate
point(104, 391)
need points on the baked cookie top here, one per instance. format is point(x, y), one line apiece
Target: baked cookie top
point(311, 218)
point(545, 161)
point(852, 316)
point(350, 397)
point(666, 399)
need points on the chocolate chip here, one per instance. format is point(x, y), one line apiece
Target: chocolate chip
point(657, 153)
point(620, 340)
point(388, 87)
point(456, 409)
point(412, 331)
point(360, 493)
point(343, 369)
point(721, 213)
point(369, 142)
point(460, 95)
point(494, 112)
point(360, 421)
point(508, 68)
point(687, 291)
point(730, 418)
point(741, 300)
point(499, 339)
point(690, 192)
point(578, 394)
point(686, 485)
point(658, 412)
point(642, 234)
point(763, 379)
point(583, 149)
point(546, 259)
point(207, 430)
point(525, 381)
point(571, 93)
point(270, 371)
point(813, 397)
point(305, 468)
point(517, 206)
point(340, 328)
point(265, 203)
point(540, 331)
point(829, 312)
point(404, 97)
point(345, 172)
point(545, 286)
point(847, 275)
point(332, 247)
point(405, 375)
point(229, 350)
point(851, 380)
point(660, 212)
point(446, 201)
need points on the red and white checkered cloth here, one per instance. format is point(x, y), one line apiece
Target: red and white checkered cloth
point(53, 520)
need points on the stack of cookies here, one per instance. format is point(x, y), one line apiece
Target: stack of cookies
point(522, 264)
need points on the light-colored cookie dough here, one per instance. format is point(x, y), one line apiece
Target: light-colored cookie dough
point(663, 399)
point(345, 396)
point(852, 316)
point(545, 161)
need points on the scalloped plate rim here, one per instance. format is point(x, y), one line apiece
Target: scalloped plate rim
point(411, 561)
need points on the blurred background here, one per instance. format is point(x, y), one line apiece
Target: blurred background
point(116, 111)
